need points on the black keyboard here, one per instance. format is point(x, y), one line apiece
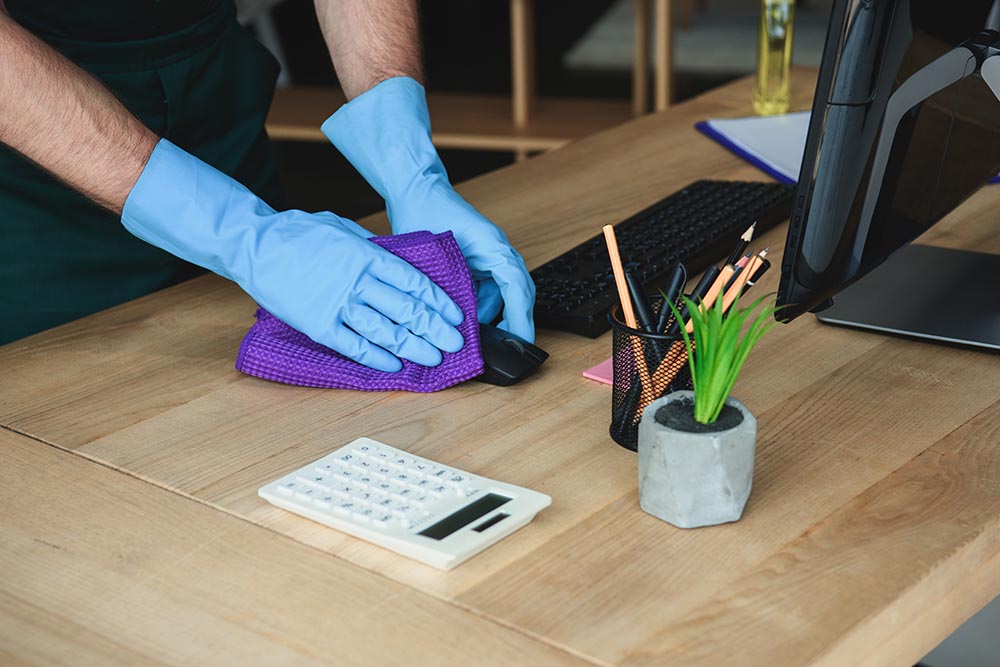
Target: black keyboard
point(697, 225)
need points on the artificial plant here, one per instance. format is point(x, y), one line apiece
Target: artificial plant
point(718, 351)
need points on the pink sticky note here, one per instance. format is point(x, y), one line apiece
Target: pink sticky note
point(602, 372)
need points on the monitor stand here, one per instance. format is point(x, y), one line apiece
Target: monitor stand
point(939, 294)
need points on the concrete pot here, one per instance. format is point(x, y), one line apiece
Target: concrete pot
point(694, 479)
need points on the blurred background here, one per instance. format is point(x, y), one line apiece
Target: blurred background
point(583, 50)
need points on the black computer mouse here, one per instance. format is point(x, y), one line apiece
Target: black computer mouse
point(508, 358)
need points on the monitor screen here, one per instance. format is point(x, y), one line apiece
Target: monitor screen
point(903, 129)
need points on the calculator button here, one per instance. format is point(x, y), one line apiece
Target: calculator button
point(386, 502)
point(385, 486)
point(325, 502)
point(381, 520)
point(365, 479)
point(382, 454)
point(347, 458)
point(439, 489)
point(383, 470)
point(346, 474)
point(403, 477)
point(287, 488)
point(315, 481)
point(327, 468)
point(364, 465)
point(441, 473)
point(470, 491)
point(306, 494)
point(404, 461)
point(423, 466)
point(456, 480)
point(402, 510)
point(367, 449)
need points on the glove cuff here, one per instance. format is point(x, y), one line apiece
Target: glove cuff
point(386, 134)
point(194, 211)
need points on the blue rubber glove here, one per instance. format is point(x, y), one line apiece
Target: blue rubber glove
point(316, 271)
point(386, 134)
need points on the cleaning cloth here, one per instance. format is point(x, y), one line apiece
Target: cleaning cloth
point(275, 351)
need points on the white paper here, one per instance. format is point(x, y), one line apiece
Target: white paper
point(777, 141)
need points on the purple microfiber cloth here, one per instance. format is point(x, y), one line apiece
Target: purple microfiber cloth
point(275, 351)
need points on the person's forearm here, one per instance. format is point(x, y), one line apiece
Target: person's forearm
point(66, 121)
point(371, 40)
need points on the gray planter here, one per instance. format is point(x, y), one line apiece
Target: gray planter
point(695, 479)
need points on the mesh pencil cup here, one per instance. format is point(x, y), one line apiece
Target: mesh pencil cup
point(645, 367)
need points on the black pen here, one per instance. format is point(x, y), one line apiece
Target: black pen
point(700, 290)
point(757, 275)
point(674, 285)
point(643, 309)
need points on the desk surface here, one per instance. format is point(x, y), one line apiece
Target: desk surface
point(131, 529)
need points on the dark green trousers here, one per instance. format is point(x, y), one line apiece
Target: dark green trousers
point(207, 87)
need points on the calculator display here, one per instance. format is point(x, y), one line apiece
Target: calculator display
point(465, 516)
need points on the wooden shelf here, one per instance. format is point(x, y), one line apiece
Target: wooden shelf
point(460, 120)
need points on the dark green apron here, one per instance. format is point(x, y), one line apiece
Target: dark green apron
point(191, 73)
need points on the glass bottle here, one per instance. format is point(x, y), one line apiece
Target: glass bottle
point(771, 92)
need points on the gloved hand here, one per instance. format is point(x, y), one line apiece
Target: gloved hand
point(385, 133)
point(317, 272)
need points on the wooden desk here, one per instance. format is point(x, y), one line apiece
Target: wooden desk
point(131, 529)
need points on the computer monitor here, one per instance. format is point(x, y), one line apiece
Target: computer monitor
point(905, 125)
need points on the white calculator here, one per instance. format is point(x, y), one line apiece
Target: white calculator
point(418, 508)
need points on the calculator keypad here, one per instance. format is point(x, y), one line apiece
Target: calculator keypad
point(379, 487)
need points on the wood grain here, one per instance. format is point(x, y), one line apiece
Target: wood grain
point(855, 548)
point(101, 568)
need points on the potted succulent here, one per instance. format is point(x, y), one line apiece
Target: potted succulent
point(696, 448)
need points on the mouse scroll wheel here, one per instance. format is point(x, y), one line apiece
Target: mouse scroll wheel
point(514, 345)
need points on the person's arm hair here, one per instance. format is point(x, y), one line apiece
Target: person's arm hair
point(66, 121)
point(371, 41)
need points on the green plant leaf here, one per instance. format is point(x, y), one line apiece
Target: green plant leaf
point(718, 348)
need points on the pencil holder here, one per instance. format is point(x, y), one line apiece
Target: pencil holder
point(646, 366)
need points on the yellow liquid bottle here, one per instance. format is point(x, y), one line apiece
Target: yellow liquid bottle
point(772, 92)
